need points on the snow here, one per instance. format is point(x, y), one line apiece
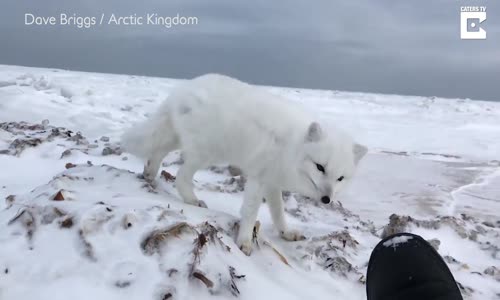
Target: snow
point(436, 160)
point(395, 241)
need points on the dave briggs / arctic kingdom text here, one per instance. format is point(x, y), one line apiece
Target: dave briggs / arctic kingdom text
point(110, 19)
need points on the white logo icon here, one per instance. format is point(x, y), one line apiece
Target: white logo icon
point(471, 18)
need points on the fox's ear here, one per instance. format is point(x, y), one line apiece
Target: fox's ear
point(313, 132)
point(359, 151)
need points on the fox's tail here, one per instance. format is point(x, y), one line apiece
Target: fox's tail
point(152, 136)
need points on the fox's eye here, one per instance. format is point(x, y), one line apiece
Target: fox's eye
point(320, 168)
point(340, 178)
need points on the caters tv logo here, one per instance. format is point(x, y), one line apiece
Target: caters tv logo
point(471, 19)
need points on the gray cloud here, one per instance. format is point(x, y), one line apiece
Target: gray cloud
point(372, 46)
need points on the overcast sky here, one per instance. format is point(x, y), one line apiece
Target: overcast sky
point(384, 46)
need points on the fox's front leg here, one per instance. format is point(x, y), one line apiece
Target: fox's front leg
point(184, 182)
point(152, 167)
point(274, 199)
point(252, 200)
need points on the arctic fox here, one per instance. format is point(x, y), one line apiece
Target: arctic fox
point(278, 146)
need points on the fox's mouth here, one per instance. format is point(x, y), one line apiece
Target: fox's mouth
point(306, 175)
point(314, 183)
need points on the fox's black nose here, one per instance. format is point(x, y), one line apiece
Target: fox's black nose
point(325, 199)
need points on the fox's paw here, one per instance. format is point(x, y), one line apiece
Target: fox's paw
point(150, 181)
point(196, 202)
point(292, 235)
point(153, 184)
point(246, 247)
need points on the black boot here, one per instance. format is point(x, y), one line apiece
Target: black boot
point(406, 267)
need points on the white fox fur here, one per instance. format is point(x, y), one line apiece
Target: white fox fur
point(216, 119)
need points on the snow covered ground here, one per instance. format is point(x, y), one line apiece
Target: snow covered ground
point(109, 235)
